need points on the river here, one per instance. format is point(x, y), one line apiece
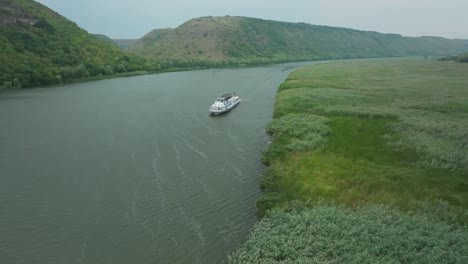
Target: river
point(133, 170)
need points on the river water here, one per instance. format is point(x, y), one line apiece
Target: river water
point(133, 170)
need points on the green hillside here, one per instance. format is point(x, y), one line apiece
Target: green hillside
point(39, 46)
point(213, 41)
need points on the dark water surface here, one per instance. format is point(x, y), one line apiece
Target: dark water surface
point(133, 170)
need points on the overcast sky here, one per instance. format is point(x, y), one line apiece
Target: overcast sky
point(135, 18)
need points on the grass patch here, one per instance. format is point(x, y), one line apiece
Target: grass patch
point(357, 167)
point(296, 132)
point(364, 139)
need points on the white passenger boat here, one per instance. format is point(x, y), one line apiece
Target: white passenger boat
point(224, 103)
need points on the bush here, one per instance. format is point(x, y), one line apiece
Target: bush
point(121, 68)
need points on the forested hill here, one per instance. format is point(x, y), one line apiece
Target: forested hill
point(39, 46)
point(215, 41)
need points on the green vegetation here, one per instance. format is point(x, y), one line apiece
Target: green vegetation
point(463, 58)
point(221, 41)
point(327, 234)
point(40, 47)
point(392, 133)
point(399, 130)
point(304, 131)
point(427, 99)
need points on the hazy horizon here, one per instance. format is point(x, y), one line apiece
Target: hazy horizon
point(133, 19)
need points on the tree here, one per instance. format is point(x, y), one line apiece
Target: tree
point(121, 68)
point(58, 78)
point(108, 70)
point(81, 71)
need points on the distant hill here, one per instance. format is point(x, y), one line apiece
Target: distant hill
point(213, 41)
point(105, 38)
point(124, 44)
point(39, 46)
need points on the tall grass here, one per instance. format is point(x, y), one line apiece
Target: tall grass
point(428, 98)
point(303, 132)
point(356, 167)
point(326, 234)
point(392, 133)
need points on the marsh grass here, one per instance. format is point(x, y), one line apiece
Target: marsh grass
point(358, 167)
point(398, 132)
point(428, 99)
point(388, 182)
point(327, 234)
point(297, 132)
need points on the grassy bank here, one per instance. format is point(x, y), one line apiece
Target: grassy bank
point(387, 132)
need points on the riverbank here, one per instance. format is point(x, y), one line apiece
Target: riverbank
point(8, 86)
point(375, 152)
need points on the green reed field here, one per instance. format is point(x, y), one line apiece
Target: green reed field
point(350, 137)
point(382, 131)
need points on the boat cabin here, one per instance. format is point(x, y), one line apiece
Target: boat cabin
point(225, 97)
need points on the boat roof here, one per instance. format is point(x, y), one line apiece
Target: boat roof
point(226, 95)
